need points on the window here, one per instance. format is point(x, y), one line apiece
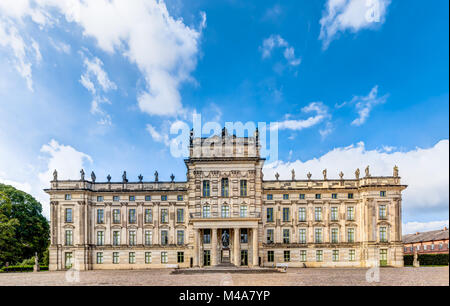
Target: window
point(132, 216)
point(243, 188)
point(270, 256)
point(164, 215)
point(225, 188)
point(132, 257)
point(100, 199)
point(179, 198)
point(115, 257)
point(334, 213)
point(116, 216)
point(244, 235)
point(382, 212)
point(302, 196)
point(148, 215)
point(425, 247)
point(116, 238)
point(164, 197)
point(69, 236)
point(148, 237)
point(350, 195)
point(351, 235)
point(180, 257)
point(302, 214)
point(206, 211)
point(318, 196)
point(164, 258)
point(319, 255)
point(270, 236)
point(318, 235)
point(383, 194)
point(180, 215)
point(206, 236)
point(206, 189)
point(350, 213)
point(383, 234)
point(270, 198)
point(318, 213)
point(270, 214)
point(148, 257)
point(285, 196)
point(132, 238)
point(68, 197)
point(287, 256)
point(68, 260)
point(225, 211)
point(69, 218)
point(132, 198)
point(100, 238)
point(286, 216)
point(116, 198)
point(164, 237)
point(351, 255)
point(99, 257)
point(432, 247)
point(100, 216)
point(302, 235)
point(335, 255)
point(243, 211)
point(334, 235)
point(383, 257)
point(148, 198)
point(334, 195)
point(286, 235)
point(180, 237)
point(303, 255)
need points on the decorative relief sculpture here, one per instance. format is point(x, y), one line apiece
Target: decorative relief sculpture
point(93, 177)
point(82, 174)
point(55, 175)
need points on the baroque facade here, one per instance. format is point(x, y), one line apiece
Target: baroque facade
point(226, 213)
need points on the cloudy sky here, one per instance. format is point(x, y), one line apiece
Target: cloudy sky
point(99, 84)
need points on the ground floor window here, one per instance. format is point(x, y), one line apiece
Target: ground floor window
point(164, 257)
point(115, 257)
point(99, 257)
point(148, 257)
point(319, 255)
point(68, 260)
point(352, 255)
point(335, 255)
point(287, 256)
point(244, 258)
point(132, 257)
point(180, 257)
point(207, 258)
point(383, 257)
point(303, 255)
point(270, 256)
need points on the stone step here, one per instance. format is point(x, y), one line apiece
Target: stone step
point(226, 269)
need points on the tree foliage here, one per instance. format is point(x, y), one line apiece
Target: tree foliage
point(23, 228)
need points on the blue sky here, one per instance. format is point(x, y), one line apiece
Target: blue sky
point(349, 82)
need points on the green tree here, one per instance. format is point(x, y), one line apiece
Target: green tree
point(31, 228)
point(9, 246)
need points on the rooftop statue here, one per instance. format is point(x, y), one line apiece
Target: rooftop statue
point(140, 177)
point(156, 176)
point(367, 171)
point(324, 172)
point(357, 173)
point(309, 175)
point(93, 177)
point(109, 178)
point(55, 175)
point(395, 171)
point(82, 174)
point(293, 174)
point(341, 175)
point(124, 177)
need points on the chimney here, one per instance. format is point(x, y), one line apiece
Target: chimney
point(445, 228)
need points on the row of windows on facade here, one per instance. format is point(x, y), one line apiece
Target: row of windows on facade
point(131, 198)
point(225, 188)
point(335, 257)
point(148, 236)
point(426, 247)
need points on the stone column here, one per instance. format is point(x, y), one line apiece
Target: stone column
point(196, 248)
point(237, 249)
point(255, 247)
point(214, 247)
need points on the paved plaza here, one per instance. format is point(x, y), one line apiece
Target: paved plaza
point(424, 276)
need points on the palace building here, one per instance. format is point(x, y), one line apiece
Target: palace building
point(226, 213)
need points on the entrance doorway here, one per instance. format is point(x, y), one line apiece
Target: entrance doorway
point(207, 258)
point(244, 258)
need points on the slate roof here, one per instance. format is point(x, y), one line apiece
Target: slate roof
point(426, 236)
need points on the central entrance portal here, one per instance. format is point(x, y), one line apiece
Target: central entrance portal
point(225, 253)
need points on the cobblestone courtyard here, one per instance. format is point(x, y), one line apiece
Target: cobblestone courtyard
point(423, 276)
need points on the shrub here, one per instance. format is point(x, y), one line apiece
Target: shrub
point(428, 259)
point(21, 268)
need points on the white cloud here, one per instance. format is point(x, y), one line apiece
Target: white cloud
point(60, 46)
point(351, 15)
point(414, 227)
point(364, 105)
point(94, 68)
point(425, 171)
point(157, 136)
point(276, 41)
point(320, 110)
